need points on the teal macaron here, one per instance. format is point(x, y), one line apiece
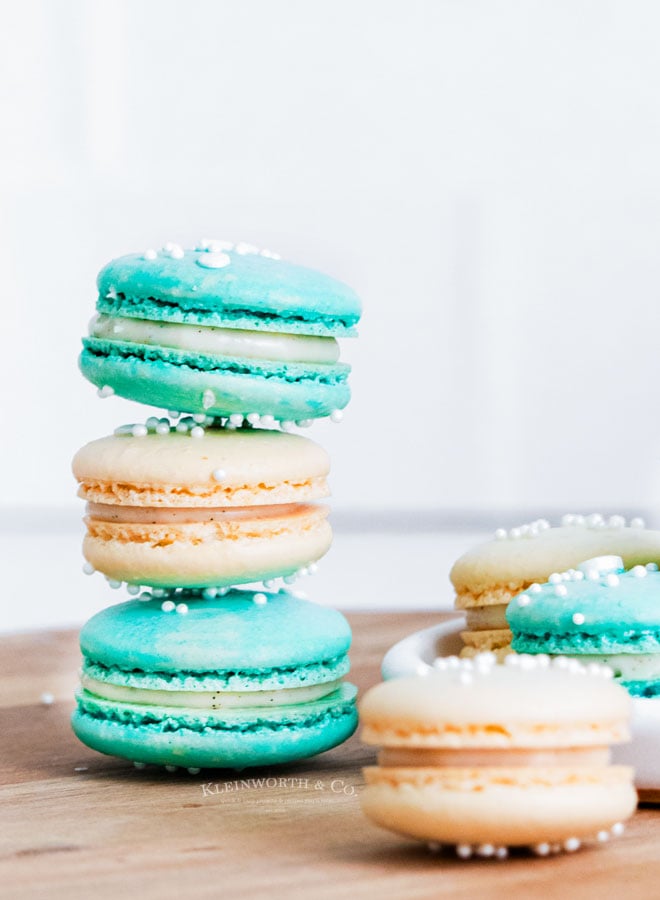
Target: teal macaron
point(598, 612)
point(234, 681)
point(221, 330)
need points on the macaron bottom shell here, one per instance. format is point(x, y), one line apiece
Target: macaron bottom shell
point(195, 557)
point(215, 386)
point(231, 739)
point(514, 807)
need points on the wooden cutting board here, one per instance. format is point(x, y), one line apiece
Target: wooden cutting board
point(75, 824)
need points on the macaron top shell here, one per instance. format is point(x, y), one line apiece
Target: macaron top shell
point(228, 288)
point(517, 562)
point(222, 468)
point(613, 603)
point(222, 634)
point(500, 706)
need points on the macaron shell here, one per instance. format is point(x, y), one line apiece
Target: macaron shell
point(174, 380)
point(498, 806)
point(224, 633)
point(258, 467)
point(249, 291)
point(169, 736)
point(496, 570)
point(550, 708)
point(209, 554)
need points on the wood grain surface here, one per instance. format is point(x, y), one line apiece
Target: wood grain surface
point(77, 824)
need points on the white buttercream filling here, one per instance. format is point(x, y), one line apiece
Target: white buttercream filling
point(231, 342)
point(208, 699)
point(145, 515)
point(513, 756)
point(628, 666)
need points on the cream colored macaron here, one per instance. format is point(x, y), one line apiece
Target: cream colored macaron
point(229, 507)
point(490, 574)
point(485, 756)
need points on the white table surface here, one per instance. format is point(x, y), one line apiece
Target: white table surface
point(44, 586)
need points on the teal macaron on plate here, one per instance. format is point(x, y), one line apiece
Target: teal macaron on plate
point(235, 681)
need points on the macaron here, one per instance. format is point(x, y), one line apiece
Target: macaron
point(599, 613)
point(486, 757)
point(243, 680)
point(228, 507)
point(489, 575)
point(222, 329)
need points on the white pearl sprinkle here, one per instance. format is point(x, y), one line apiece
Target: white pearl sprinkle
point(313, 568)
point(182, 608)
point(253, 418)
point(260, 599)
point(617, 829)
point(150, 254)
point(193, 770)
point(170, 768)
point(159, 592)
point(555, 578)
point(561, 590)
point(270, 254)
point(267, 421)
point(47, 699)
point(105, 391)
point(336, 416)
point(579, 520)
point(651, 567)
point(638, 571)
point(524, 600)
point(612, 580)
point(162, 428)
point(287, 425)
point(534, 588)
point(175, 251)
point(515, 533)
point(88, 568)
point(567, 520)
point(197, 431)
point(145, 596)
point(578, 619)
point(182, 428)
point(209, 593)
point(603, 836)
point(140, 765)
point(501, 534)
point(168, 605)
point(132, 589)
point(541, 849)
point(616, 522)
point(269, 584)
point(304, 423)
point(637, 522)
point(114, 584)
point(236, 419)
point(595, 520)
point(139, 431)
point(485, 850)
point(213, 260)
point(463, 851)
point(219, 474)
point(422, 669)
point(501, 852)
point(571, 844)
point(173, 413)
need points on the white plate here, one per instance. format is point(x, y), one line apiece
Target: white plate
point(444, 639)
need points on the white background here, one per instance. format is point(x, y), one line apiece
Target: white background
point(485, 174)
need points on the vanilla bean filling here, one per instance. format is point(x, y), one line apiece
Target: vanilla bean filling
point(468, 757)
point(144, 515)
point(210, 339)
point(208, 699)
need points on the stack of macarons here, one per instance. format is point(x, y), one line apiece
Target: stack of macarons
point(490, 575)
point(194, 671)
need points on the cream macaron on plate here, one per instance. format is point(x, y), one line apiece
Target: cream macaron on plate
point(422, 651)
point(487, 757)
point(229, 507)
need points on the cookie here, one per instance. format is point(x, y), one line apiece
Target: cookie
point(488, 576)
point(240, 680)
point(229, 507)
point(486, 756)
point(221, 330)
point(597, 613)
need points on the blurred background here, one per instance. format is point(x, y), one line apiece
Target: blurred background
point(484, 174)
